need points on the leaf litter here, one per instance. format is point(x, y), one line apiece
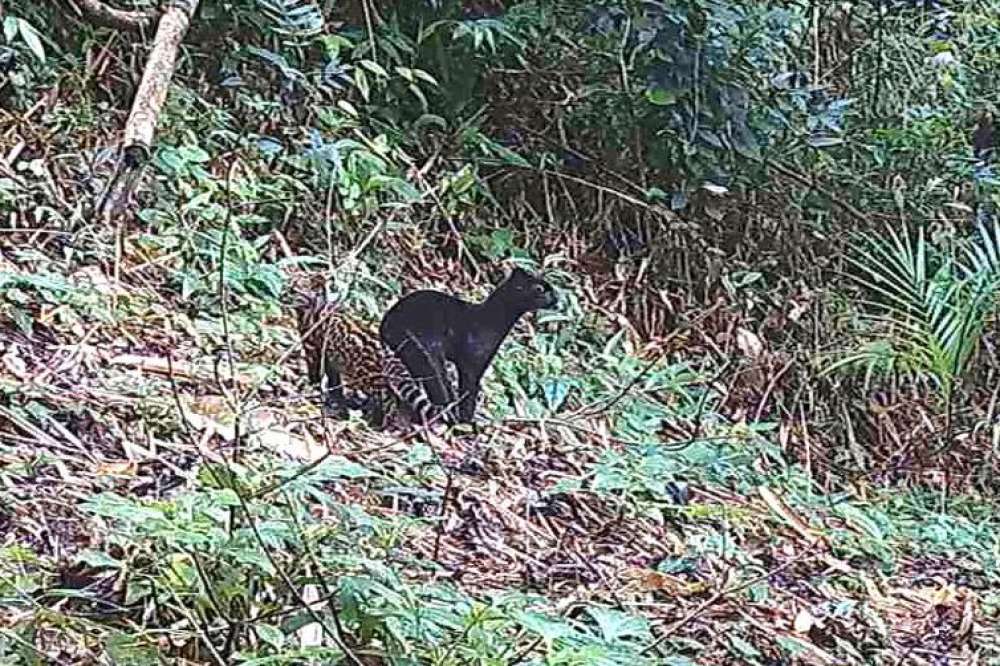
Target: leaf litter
point(512, 507)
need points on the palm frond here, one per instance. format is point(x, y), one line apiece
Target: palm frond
point(293, 18)
point(924, 317)
point(984, 257)
point(894, 270)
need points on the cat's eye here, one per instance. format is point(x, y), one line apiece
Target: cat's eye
point(539, 289)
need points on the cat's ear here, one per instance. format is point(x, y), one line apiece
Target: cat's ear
point(495, 272)
point(520, 274)
point(303, 289)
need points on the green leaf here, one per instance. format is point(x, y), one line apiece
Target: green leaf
point(510, 157)
point(170, 160)
point(795, 646)
point(111, 505)
point(857, 519)
point(194, 153)
point(332, 45)
point(227, 497)
point(374, 68)
point(616, 625)
point(429, 119)
point(742, 647)
point(348, 469)
point(23, 319)
point(295, 18)
point(347, 108)
point(548, 628)
point(270, 634)
point(556, 390)
point(32, 39)
point(198, 202)
point(96, 558)
point(277, 60)
point(421, 74)
point(419, 94)
point(661, 96)
point(130, 649)
point(656, 194)
point(431, 29)
point(9, 28)
point(825, 141)
point(361, 81)
point(419, 454)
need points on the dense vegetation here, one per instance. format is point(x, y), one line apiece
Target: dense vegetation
point(760, 428)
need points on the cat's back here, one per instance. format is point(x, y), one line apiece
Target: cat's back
point(426, 296)
point(425, 302)
point(350, 344)
point(422, 311)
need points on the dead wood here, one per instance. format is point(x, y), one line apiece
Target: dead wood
point(98, 13)
point(146, 108)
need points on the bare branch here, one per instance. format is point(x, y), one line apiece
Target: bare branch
point(147, 105)
point(98, 13)
point(156, 78)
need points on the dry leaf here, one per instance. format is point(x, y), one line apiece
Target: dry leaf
point(15, 364)
point(749, 343)
point(798, 309)
point(715, 212)
point(804, 621)
point(282, 441)
point(837, 565)
point(98, 281)
point(673, 586)
point(778, 506)
point(968, 620)
point(117, 468)
point(210, 414)
point(181, 369)
point(784, 434)
point(156, 364)
point(311, 635)
point(946, 595)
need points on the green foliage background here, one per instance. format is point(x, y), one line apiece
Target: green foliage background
point(762, 156)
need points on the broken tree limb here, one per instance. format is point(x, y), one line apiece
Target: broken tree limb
point(159, 71)
point(98, 13)
point(147, 105)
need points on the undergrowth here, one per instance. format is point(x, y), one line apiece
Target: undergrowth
point(169, 492)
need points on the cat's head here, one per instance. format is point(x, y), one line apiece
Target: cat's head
point(529, 292)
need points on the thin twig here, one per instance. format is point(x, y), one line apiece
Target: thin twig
point(677, 626)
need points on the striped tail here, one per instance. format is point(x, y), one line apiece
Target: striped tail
point(411, 394)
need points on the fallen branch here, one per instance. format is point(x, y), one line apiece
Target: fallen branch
point(98, 13)
point(727, 591)
point(146, 108)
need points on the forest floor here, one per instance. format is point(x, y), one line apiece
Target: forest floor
point(169, 492)
point(113, 390)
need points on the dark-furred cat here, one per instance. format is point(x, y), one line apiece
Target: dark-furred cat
point(354, 370)
point(426, 329)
